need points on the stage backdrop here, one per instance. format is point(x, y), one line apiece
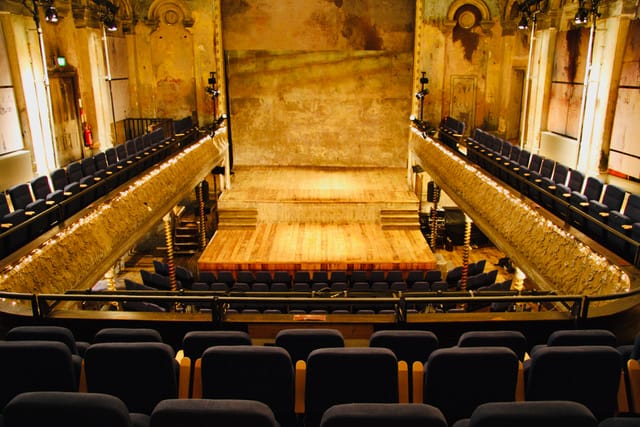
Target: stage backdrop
point(319, 82)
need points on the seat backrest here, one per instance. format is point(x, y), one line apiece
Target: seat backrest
point(535, 163)
point(74, 172)
point(130, 145)
point(259, 373)
point(515, 340)
point(41, 187)
point(245, 277)
point(88, 166)
point(43, 333)
point(576, 179)
point(546, 170)
point(100, 160)
point(593, 188)
point(348, 375)
point(588, 374)
point(299, 343)
point(112, 156)
point(4, 204)
point(613, 197)
point(263, 277)
point(560, 173)
point(69, 409)
point(432, 276)
point(127, 335)
point(632, 208)
point(515, 153)
point(141, 374)
point(458, 379)
point(121, 150)
point(525, 157)
point(582, 337)
point(34, 366)
point(20, 196)
point(532, 414)
point(408, 345)
point(302, 277)
point(383, 415)
point(194, 343)
point(208, 412)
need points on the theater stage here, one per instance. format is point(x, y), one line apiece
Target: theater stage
point(297, 218)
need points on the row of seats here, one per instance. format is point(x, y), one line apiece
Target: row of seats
point(451, 131)
point(311, 278)
point(605, 213)
point(29, 209)
point(357, 283)
point(102, 410)
point(310, 370)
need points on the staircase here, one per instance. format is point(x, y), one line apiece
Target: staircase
point(185, 237)
point(242, 218)
point(399, 219)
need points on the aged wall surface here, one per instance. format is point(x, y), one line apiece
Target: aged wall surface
point(319, 82)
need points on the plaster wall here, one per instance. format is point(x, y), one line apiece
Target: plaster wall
point(320, 83)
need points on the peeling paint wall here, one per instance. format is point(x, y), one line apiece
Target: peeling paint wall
point(319, 82)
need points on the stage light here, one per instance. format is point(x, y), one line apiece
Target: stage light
point(582, 16)
point(110, 23)
point(422, 93)
point(61, 61)
point(51, 14)
point(524, 23)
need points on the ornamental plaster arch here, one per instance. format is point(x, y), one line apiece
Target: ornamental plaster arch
point(170, 12)
point(485, 15)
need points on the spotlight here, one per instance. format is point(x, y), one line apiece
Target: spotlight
point(110, 23)
point(220, 120)
point(51, 14)
point(422, 93)
point(582, 16)
point(212, 92)
point(524, 23)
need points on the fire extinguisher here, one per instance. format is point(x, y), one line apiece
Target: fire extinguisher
point(86, 133)
point(87, 137)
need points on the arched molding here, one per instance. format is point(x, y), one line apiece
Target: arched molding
point(169, 12)
point(486, 23)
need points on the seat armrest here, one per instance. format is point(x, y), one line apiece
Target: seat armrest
point(300, 377)
point(403, 382)
point(417, 375)
point(520, 383)
point(184, 377)
point(196, 386)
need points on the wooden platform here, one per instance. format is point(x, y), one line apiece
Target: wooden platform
point(293, 218)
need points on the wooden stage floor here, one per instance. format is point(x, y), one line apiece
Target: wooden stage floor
point(298, 233)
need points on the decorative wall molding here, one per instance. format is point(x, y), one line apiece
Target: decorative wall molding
point(169, 12)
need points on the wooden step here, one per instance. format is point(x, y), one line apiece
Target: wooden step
point(399, 219)
point(245, 218)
